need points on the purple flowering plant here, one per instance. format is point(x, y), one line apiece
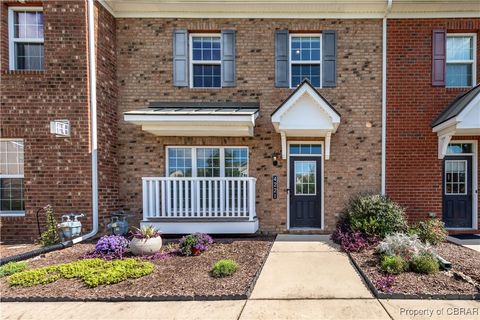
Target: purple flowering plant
point(109, 247)
point(195, 243)
point(351, 241)
point(385, 283)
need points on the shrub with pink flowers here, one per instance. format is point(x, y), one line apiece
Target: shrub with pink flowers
point(195, 243)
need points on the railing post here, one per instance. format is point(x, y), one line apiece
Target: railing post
point(251, 199)
point(145, 199)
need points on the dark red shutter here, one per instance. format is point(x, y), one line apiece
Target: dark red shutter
point(438, 57)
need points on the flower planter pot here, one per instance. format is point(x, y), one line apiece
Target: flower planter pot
point(145, 247)
point(196, 252)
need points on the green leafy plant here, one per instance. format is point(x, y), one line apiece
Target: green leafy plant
point(374, 215)
point(431, 231)
point(403, 245)
point(424, 263)
point(223, 268)
point(393, 264)
point(195, 243)
point(146, 232)
point(50, 236)
point(12, 267)
point(93, 272)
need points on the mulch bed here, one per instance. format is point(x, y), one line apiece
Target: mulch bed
point(8, 250)
point(174, 278)
point(463, 260)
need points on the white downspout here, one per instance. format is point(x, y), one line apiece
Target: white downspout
point(93, 121)
point(384, 95)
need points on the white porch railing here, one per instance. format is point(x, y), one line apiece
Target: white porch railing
point(171, 197)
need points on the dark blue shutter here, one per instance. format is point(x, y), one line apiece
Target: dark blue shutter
point(228, 58)
point(329, 59)
point(180, 58)
point(281, 59)
point(439, 57)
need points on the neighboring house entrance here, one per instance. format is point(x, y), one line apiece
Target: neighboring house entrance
point(305, 186)
point(459, 186)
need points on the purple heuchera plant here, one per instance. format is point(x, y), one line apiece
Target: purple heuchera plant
point(195, 242)
point(351, 241)
point(109, 247)
point(385, 283)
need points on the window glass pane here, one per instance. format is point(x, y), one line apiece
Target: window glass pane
point(305, 48)
point(11, 157)
point(206, 48)
point(29, 56)
point(305, 149)
point(208, 162)
point(459, 48)
point(179, 162)
point(459, 75)
point(306, 71)
point(28, 24)
point(11, 194)
point(455, 176)
point(236, 162)
point(207, 75)
point(305, 177)
point(456, 148)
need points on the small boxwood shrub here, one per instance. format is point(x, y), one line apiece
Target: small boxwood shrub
point(393, 264)
point(431, 231)
point(12, 267)
point(93, 272)
point(224, 268)
point(424, 263)
point(374, 215)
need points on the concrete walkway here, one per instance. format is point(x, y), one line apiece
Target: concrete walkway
point(304, 277)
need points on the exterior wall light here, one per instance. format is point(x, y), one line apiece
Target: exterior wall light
point(275, 159)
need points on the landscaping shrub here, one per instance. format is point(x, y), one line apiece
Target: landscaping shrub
point(405, 246)
point(224, 268)
point(93, 272)
point(109, 247)
point(424, 263)
point(350, 241)
point(11, 268)
point(195, 243)
point(49, 236)
point(385, 283)
point(374, 215)
point(393, 264)
point(431, 231)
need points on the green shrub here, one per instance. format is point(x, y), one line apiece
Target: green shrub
point(12, 267)
point(424, 263)
point(393, 264)
point(93, 272)
point(50, 236)
point(224, 268)
point(431, 231)
point(375, 215)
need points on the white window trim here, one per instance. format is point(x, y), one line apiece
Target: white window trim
point(473, 62)
point(322, 186)
point(192, 62)
point(474, 182)
point(290, 61)
point(12, 40)
point(194, 158)
point(13, 213)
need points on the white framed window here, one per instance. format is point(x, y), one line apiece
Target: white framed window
point(207, 161)
point(305, 178)
point(25, 37)
point(11, 177)
point(461, 56)
point(455, 177)
point(205, 60)
point(305, 59)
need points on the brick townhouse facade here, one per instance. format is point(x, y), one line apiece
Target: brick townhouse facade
point(205, 121)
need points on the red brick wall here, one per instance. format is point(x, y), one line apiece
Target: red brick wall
point(413, 170)
point(58, 170)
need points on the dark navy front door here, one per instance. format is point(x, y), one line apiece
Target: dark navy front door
point(457, 191)
point(305, 192)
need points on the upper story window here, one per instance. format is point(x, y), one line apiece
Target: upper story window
point(11, 177)
point(460, 70)
point(305, 59)
point(25, 31)
point(205, 61)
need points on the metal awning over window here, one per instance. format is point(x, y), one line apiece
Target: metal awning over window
point(196, 119)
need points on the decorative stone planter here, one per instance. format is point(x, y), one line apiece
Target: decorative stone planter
point(145, 247)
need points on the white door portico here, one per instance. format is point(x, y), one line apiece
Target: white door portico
point(305, 113)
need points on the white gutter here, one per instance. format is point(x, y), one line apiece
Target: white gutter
point(384, 95)
point(93, 121)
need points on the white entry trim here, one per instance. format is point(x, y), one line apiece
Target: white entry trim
point(474, 181)
point(322, 186)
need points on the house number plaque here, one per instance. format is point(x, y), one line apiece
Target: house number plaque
point(274, 186)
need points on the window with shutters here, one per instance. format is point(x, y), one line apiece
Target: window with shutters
point(11, 177)
point(205, 61)
point(25, 29)
point(305, 59)
point(460, 71)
